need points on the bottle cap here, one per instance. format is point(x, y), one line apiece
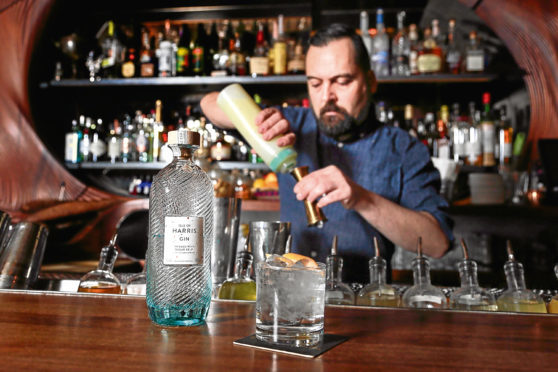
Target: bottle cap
point(485, 98)
point(183, 137)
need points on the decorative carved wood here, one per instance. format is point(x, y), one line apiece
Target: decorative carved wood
point(529, 29)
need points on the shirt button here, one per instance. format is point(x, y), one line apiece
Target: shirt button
point(340, 145)
point(313, 254)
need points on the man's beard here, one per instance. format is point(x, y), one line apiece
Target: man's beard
point(333, 125)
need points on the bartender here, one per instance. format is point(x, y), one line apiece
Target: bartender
point(368, 178)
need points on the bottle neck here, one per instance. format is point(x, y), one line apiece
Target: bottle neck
point(421, 271)
point(243, 265)
point(377, 266)
point(468, 273)
point(182, 152)
point(107, 259)
point(514, 275)
point(334, 268)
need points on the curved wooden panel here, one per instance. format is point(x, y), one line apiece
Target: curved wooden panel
point(30, 177)
point(530, 31)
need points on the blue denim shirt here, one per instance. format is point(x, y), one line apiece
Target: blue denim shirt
point(386, 161)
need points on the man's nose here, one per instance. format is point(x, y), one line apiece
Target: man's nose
point(328, 93)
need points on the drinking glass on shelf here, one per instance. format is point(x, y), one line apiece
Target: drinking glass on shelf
point(290, 302)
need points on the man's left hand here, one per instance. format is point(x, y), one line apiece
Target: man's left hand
point(330, 185)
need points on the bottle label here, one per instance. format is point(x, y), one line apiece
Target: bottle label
point(197, 60)
point(141, 143)
point(413, 66)
point(428, 63)
point(114, 148)
point(475, 63)
point(98, 148)
point(183, 242)
point(128, 69)
point(280, 58)
point(507, 150)
point(147, 69)
point(182, 60)
point(71, 153)
point(488, 137)
point(259, 65)
point(426, 298)
point(296, 65)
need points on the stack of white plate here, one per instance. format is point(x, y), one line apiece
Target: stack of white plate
point(486, 188)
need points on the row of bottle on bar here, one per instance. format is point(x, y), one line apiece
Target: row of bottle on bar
point(422, 294)
point(177, 50)
point(480, 138)
point(404, 52)
point(143, 137)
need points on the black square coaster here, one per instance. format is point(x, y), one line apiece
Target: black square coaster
point(328, 341)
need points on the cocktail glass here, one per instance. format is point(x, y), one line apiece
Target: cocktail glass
point(289, 302)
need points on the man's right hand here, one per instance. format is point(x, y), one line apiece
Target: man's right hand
point(271, 123)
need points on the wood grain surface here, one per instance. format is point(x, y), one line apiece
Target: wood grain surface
point(46, 331)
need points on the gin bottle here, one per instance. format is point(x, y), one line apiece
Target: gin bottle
point(336, 292)
point(178, 257)
point(240, 287)
point(517, 298)
point(423, 294)
point(470, 296)
point(378, 293)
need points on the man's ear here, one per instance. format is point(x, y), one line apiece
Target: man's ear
point(372, 82)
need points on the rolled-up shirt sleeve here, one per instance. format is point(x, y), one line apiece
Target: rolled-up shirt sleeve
point(421, 185)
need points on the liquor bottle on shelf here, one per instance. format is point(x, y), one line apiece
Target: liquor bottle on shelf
point(102, 280)
point(380, 56)
point(459, 134)
point(336, 292)
point(85, 143)
point(297, 64)
point(128, 153)
point(488, 133)
point(414, 47)
point(400, 49)
point(240, 286)
point(237, 58)
point(166, 53)
point(146, 60)
point(212, 47)
point(198, 51)
point(470, 296)
point(364, 34)
point(114, 147)
point(440, 42)
point(112, 53)
point(220, 60)
point(72, 153)
point(128, 68)
point(517, 298)
point(453, 53)
point(409, 124)
point(220, 149)
point(158, 129)
point(98, 145)
point(178, 257)
point(142, 139)
point(423, 294)
point(430, 56)
point(474, 144)
point(378, 293)
point(505, 138)
point(280, 49)
point(183, 52)
point(474, 55)
point(259, 62)
point(441, 144)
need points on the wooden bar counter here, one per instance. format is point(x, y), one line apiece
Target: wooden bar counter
point(52, 331)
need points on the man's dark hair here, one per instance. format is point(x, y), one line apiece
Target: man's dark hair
point(336, 31)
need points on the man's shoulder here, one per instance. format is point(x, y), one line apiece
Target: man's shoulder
point(399, 138)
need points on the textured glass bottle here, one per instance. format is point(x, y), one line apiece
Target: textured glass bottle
point(336, 292)
point(178, 257)
point(240, 287)
point(470, 296)
point(423, 294)
point(378, 293)
point(102, 280)
point(517, 298)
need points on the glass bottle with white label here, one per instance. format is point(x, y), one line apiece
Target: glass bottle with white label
point(423, 294)
point(178, 257)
